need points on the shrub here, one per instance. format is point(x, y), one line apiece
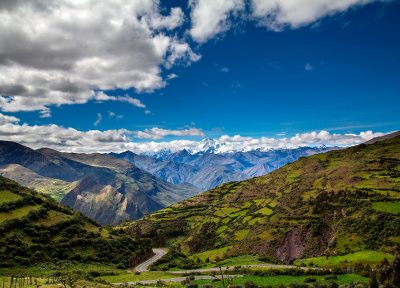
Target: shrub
point(310, 280)
point(250, 284)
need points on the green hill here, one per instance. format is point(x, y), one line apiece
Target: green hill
point(34, 228)
point(336, 203)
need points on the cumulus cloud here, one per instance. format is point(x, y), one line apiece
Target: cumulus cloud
point(237, 142)
point(60, 52)
point(211, 17)
point(72, 140)
point(158, 133)
point(170, 22)
point(5, 119)
point(277, 14)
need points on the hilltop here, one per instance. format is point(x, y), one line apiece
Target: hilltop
point(335, 203)
point(34, 228)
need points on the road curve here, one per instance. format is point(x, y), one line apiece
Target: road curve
point(158, 254)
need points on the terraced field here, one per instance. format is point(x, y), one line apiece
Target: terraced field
point(333, 204)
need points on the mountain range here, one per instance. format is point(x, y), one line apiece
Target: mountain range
point(121, 187)
point(333, 203)
point(209, 167)
point(104, 188)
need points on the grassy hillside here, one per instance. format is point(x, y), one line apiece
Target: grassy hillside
point(329, 204)
point(55, 188)
point(35, 228)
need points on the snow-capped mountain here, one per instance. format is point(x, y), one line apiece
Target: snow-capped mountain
point(208, 165)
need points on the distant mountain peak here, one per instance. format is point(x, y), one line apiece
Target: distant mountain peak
point(210, 145)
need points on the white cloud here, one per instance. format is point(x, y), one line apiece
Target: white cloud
point(5, 119)
point(72, 140)
point(158, 133)
point(100, 96)
point(45, 113)
point(59, 52)
point(308, 67)
point(180, 51)
point(98, 119)
point(170, 22)
point(172, 76)
point(277, 14)
point(235, 143)
point(112, 114)
point(211, 17)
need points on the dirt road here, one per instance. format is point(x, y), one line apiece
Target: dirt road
point(158, 254)
point(177, 279)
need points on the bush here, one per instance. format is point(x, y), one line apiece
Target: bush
point(331, 277)
point(310, 280)
point(250, 284)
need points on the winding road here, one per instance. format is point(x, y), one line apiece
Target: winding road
point(158, 254)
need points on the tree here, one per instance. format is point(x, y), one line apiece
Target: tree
point(226, 282)
point(69, 280)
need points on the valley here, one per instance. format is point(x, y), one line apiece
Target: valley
point(103, 188)
point(199, 144)
point(325, 219)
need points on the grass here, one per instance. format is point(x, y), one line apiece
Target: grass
point(226, 211)
point(361, 256)
point(132, 277)
point(55, 188)
point(8, 196)
point(42, 282)
point(265, 211)
point(53, 218)
point(241, 234)
point(44, 269)
point(274, 281)
point(211, 254)
point(334, 191)
point(387, 207)
point(17, 213)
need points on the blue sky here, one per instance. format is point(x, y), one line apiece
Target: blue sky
point(338, 73)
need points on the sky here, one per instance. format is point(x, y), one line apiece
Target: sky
point(101, 76)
